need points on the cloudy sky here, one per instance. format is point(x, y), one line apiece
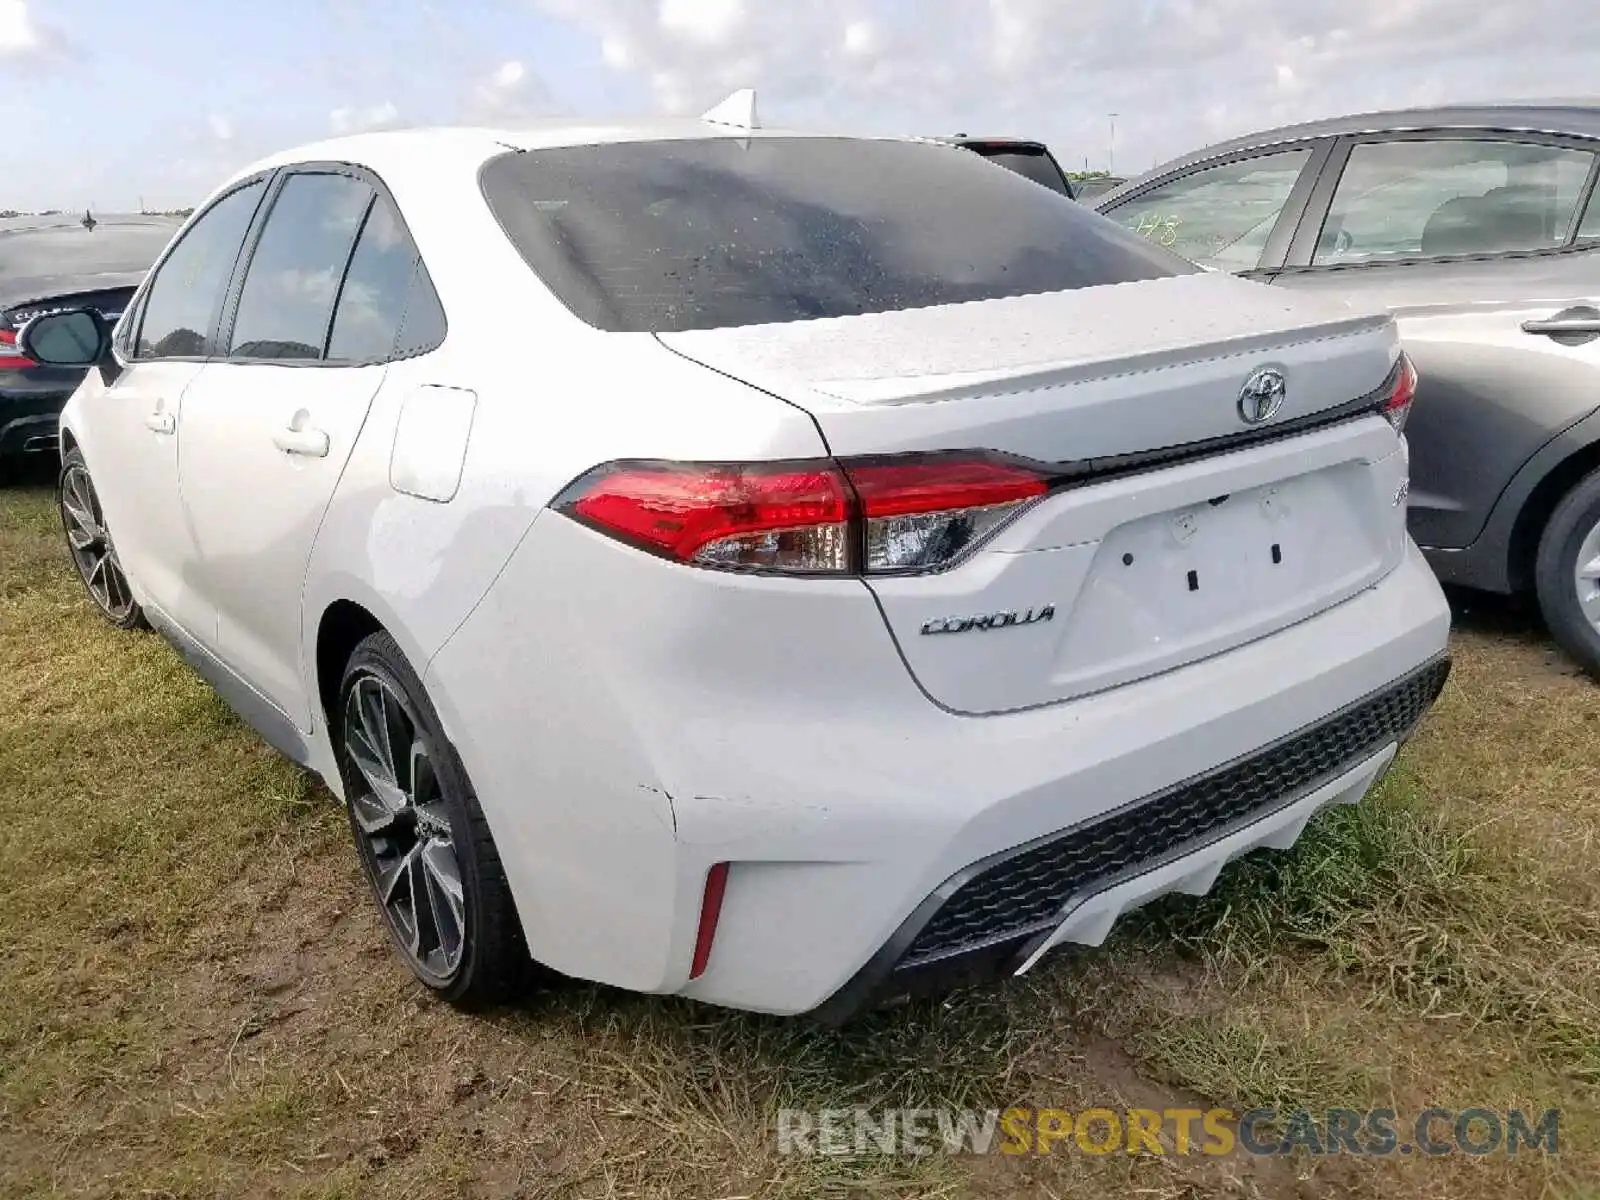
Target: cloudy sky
point(108, 102)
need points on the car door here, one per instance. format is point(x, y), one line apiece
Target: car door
point(268, 427)
point(1473, 240)
point(133, 424)
point(1235, 213)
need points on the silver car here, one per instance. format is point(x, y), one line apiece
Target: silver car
point(1479, 228)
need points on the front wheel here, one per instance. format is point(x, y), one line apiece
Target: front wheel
point(422, 838)
point(94, 554)
point(1567, 573)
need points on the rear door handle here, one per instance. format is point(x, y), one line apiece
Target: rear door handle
point(160, 422)
point(1579, 323)
point(310, 443)
point(1569, 325)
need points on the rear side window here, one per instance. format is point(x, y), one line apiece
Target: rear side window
point(1425, 199)
point(424, 326)
point(294, 274)
point(700, 234)
point(377, 289)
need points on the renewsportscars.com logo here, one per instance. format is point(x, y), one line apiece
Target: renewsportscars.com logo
point(1377, 1132)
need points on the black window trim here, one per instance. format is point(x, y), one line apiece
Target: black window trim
point(138, 304)
point(1298, 260)
point(1276, 249)
point(372, 179)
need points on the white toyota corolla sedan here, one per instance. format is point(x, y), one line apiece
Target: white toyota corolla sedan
point(790, 571)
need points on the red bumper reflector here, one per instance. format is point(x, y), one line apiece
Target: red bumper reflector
point(710, 910)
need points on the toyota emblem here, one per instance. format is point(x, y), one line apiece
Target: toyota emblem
point(1262, 395)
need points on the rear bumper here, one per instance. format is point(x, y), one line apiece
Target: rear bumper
point(658, 723)
point(30, 423)
point(1002, 915)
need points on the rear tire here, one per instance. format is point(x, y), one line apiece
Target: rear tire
point(423, 840)
point(1567, 573)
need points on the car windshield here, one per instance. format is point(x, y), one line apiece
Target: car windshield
point(70, 250)
point(708, 233)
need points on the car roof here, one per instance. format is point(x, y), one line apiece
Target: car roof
point(1579, 117)
point(393, 148)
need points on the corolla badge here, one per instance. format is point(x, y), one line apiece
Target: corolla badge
point(999, 620)
point(1262, 395)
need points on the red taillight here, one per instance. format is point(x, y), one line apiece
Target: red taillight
point(11, 358)
point(710, 911)
point(940, 483)
point(780, 517)
point(1398, 406)
point(816, 517)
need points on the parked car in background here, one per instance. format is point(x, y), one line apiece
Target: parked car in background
point(1032, 160)
point(62, 261)
point(1090, 188)
point(1480, 229)
point(881, 574)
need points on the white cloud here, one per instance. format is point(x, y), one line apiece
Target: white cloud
point(860, 38)
point(509, 76)
point(362, 119)
point(704, 22)
point(19, 36)
point(509, 93)
point(1180, 72)
point(221, 128)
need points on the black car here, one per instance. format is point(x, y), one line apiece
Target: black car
point(1030, 159)
point(55, 262)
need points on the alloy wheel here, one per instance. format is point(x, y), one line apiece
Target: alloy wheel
point(93, 552)
point(403, 819)
point(1586, 576)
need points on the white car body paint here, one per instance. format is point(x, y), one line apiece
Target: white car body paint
point(628, 722)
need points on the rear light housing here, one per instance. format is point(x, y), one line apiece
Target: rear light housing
point(11, 356)
point(902, 514)
point(1396, 406)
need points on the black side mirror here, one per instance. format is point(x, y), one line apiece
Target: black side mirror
point(77, 337)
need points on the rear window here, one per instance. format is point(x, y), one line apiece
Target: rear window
point(668, 236)
point(73, 250)
point(1030, 164)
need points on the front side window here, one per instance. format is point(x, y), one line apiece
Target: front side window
point(1217, 216)
point(1433, 198)
point(667, 236)
point(183, 299)
point(293, 278)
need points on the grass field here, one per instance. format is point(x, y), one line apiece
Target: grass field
point(196, 997)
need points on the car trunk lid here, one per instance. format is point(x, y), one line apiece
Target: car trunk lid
point(1177, 529)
